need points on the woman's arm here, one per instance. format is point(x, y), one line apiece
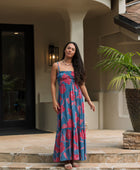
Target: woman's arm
point(87, 98)
point(53, 87)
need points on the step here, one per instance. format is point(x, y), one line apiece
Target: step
point(126, 157)
point(58, 166)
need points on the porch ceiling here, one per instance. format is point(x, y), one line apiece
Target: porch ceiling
point(42, 7)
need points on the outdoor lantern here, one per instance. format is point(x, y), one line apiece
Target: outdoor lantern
point(53, 54)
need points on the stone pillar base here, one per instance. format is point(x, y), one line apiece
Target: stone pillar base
point(131, 140)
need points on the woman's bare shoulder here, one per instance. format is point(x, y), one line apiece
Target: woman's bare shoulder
point(55, 65)
point(59, 62)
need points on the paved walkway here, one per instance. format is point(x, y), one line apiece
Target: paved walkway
point(34, 151)
point(98, 141)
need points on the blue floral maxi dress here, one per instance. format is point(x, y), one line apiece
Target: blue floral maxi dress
point(70, 141)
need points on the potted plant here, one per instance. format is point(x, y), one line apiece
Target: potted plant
point(125, 70)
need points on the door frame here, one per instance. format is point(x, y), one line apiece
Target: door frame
point(29, 76)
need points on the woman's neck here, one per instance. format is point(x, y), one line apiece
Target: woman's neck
point(67, 60)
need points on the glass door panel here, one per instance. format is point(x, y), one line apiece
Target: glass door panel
point(13, 76)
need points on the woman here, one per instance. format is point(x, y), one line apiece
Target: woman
point(70, 143)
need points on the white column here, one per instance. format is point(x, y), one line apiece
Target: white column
point(122, 6)
point(77, 30)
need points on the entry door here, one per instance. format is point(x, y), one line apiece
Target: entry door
point(17, 92)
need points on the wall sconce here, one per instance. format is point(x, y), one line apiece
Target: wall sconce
point(53, 54)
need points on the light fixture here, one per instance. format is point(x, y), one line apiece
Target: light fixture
point(16, 33)
point(53, 55)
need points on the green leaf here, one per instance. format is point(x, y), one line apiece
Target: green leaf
point(121, 64)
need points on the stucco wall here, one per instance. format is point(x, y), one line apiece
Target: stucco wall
point(113, 113)
point(91, 36)
point(52, 31)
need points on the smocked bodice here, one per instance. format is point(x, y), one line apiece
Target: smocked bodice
point(66, 77)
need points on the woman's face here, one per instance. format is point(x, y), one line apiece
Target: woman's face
point(70, 50)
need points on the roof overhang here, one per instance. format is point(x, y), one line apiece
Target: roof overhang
point(127, 23)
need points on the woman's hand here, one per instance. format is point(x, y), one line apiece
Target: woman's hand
point(85, 94)
point(56, 106)
point(92, 106)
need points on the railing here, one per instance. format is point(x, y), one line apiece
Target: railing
point(131, 2)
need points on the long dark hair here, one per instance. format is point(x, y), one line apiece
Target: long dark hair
point(77, 63)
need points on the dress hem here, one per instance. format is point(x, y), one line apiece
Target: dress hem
point(71, 159)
